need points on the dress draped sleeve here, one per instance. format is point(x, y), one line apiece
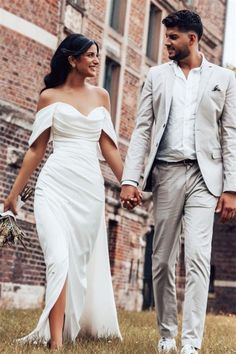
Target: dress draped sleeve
point(108, 128)
point(43, 121)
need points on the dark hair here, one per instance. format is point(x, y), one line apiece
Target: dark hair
point(73, 45)
point(185, 20)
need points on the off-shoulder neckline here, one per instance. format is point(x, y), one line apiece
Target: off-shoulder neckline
point(70, 105)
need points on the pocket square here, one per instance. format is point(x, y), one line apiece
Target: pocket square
point(216, 88)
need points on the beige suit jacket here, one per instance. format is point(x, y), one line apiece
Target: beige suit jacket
point(215, 127)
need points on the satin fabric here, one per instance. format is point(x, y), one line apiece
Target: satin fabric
point(70, 220)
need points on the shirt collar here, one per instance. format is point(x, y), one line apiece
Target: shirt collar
point(176, 67)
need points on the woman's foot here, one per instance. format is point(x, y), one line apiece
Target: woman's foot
point(53, 345)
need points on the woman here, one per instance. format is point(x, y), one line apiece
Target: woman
point(69, 196)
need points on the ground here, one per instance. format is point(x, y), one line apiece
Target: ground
point(138, 330)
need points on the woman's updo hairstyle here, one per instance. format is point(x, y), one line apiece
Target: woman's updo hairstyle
point(73, 45)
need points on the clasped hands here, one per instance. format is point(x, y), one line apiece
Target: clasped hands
point(130, 197)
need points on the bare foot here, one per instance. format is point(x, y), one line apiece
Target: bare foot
point(53, 345)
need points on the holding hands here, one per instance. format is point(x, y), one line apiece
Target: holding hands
point(130, 197)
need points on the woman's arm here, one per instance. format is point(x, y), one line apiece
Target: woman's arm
point(113, 158)
point(108, 148)
point(32, 159)
point(111, 155)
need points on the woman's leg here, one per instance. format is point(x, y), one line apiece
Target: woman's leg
point(56, 320)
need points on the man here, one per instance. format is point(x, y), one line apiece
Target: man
point(189, 105)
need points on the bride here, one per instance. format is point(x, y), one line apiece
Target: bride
point(69, 197)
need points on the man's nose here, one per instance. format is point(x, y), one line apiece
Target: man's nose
point(167, 42)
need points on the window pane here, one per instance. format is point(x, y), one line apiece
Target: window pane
point(153, 32)
point(111, 83)
point(212, 280)
point(117, 15)
point(112, 239)
point(78, 4)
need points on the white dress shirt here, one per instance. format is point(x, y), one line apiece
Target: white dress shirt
point(178, 141)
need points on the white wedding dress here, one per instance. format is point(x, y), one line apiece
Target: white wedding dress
point(70, 219)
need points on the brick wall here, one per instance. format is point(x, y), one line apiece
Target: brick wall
point(136, 23)
point(223, 298)
point(18, 265)
point(43, 13)
point(24, 64)
point(129, 106)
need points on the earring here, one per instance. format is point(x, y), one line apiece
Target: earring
point(73, 65)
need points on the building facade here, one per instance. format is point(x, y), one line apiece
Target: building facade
point(131, 38)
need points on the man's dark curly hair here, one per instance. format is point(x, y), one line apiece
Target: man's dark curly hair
point(185, 20)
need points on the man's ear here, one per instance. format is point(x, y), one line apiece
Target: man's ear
point(193, 38)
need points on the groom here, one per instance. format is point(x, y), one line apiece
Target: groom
point(188, 105)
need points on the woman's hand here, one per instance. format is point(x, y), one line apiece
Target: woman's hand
point(10, 204)
point(130, 196)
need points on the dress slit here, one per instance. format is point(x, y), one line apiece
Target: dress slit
point(41, 334)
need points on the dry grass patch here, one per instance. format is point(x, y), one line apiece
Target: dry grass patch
point(138, 330)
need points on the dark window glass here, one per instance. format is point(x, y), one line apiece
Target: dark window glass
point(153, 33)
point(212, 280)
point(111, 83)
point(77, 4)
point(112, 239)
point(117, 15)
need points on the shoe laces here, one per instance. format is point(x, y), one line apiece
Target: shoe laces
point(164, 339)
point(166, 344)
point(188, 348)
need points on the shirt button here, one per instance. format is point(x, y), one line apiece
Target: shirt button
point(164, 125)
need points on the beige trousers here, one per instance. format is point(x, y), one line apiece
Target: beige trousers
point(182, 203)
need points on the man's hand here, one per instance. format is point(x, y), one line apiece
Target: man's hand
point(130, 197)
point(226, 206)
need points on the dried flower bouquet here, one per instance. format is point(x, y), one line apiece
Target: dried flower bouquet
point(10, 232)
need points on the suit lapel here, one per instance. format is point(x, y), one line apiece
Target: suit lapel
point(207, 70)
point(169, 84)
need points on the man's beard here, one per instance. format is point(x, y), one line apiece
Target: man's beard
point(180, 54)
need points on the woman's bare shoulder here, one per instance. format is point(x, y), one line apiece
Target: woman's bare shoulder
point(102, 96)
point(46, 98)
point(102, 92)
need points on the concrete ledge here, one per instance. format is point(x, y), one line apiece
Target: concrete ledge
point(28, 29)
point(225, 283)
point(21, 296)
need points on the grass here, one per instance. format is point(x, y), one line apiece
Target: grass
point(138, 330)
